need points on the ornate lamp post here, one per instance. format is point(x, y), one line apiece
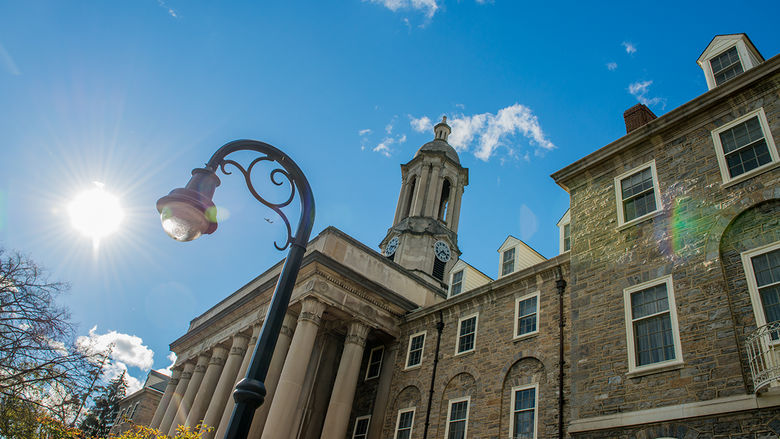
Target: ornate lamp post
point(186, 213)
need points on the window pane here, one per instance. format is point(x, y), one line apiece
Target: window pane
point(654, 341)
point(650, 301)
point(457, 277)
point(458, 410)
point(767, 268)
point(457, 283)
point(405, 421)
point(361, 428)
point(770, 299)
point(509, 262)
point(525, 399)
point(526, 312)
point(524, 425)
point(726, 66)
point(375, 362)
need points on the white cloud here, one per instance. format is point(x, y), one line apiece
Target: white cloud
point(171, 11)
point(389, 128)
point(402, 139)
point(422, 124)
point(485, 132)
point(640, 89)
point(167, 370)
point(384, 146)
point(364, 132)
point(428, 7)
point(113, 369)
point(529, 224)
point(126, 348)
point(630, 48)
point(612, 66)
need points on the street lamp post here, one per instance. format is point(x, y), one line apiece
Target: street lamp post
point(186, 213)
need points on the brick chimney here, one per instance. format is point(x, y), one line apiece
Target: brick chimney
point(637, 116)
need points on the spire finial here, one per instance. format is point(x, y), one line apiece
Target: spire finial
point(444, 119)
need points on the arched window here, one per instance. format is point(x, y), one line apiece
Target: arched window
point(410, 197)
point(444, 200)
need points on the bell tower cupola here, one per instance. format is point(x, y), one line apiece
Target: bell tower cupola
point(424, 234)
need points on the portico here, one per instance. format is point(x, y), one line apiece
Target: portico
point(336, 312)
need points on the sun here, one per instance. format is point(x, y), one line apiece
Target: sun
point(96, 213)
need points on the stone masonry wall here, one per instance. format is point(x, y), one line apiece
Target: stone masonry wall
point(681, 241)
point(498, 362)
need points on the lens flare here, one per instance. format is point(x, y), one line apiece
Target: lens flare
point(95, 213)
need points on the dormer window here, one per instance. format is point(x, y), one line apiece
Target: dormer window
point(564, 232)
point(508, 262)
point(456, 286)
point(726, 57)
point(726, 66)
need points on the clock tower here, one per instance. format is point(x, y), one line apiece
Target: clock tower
point(424, 235)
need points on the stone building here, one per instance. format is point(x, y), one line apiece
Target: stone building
point(656, 320)
point(138, 408)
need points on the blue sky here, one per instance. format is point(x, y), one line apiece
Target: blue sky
point(135, 94)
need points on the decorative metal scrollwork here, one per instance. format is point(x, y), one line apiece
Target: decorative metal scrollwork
point(276, 207)
point(286, 169)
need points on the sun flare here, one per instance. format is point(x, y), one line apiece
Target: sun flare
point(96, 213)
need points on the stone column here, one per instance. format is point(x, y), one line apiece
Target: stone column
point(206, 389)
point(225, 385)
point(189, 394)
point(272, 377)
point(382, 391)
point(231, 403)
point(340, 404)
point(288, 390)
point(419, 200)
point(166, 399)
point(401, 200)
point(173, 406)
point(434, 193)
point(454, 208)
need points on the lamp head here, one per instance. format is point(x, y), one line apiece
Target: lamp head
point(188, 212)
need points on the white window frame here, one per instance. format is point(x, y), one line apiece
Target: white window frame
point(747, 265)
point(621, 214)
point(360, 418)
point(564, 221)
point(370, 357)
point(449, 413)
point(770, 143)
point(562, 232)
point(409, 350)
point(515, 335)
point(462, 278)
point(398, 420)
point(744, 59)
point(678, 356)
point(534, 386)
point(501, 262)
point(475, 316)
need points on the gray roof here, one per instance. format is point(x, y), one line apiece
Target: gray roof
point(439, 145)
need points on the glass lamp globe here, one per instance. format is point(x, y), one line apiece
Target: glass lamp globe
point(187, 213)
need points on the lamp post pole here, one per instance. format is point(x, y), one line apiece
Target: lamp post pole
point(188, 212)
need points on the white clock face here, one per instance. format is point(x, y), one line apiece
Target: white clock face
point(442, 251)
point(391, 246)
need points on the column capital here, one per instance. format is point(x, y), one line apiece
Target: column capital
point(203, 362)
point(357, 332)
point(288, 325)
point(240, 342)
point(186, 372)
point(218, 355)
point(311, 310)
